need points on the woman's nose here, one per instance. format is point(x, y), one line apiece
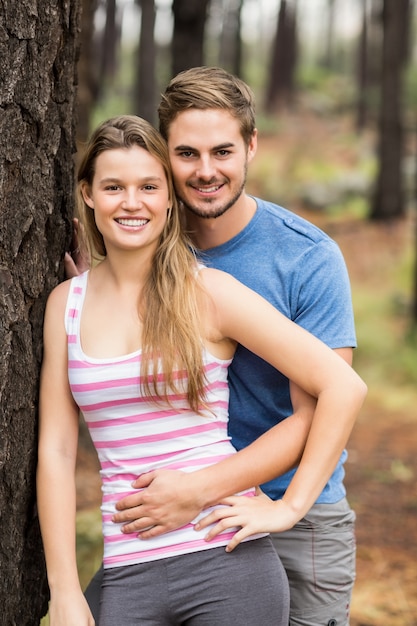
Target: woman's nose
point(132, 199)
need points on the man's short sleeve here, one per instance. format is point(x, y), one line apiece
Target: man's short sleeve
point(321, 299)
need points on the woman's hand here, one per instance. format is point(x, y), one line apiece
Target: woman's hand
point(257, 514)
point(69, 609)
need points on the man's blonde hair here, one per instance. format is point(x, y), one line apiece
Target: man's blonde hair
point(208, 88)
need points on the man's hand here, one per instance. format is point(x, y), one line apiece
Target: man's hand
point(258, 514)
point(168, 500)
point(76, 261)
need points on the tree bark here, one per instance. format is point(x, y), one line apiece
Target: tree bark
point(37, 128)
point(389, 201)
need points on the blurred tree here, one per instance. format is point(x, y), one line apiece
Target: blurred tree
point(281, 82)
point(188, 38)
point(369, 62)
point(145, 78)
point(87, 71)
point(414, 287)
point(363, 69)
point(328, 52)
point(37, 126)
point(230, 56)
point(110, 42)
point(389, 201)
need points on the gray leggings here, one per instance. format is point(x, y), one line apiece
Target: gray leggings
point(248, 587)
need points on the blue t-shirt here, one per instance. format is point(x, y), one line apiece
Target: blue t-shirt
point(301, 271)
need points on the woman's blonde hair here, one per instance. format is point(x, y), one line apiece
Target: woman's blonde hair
point(168, 307)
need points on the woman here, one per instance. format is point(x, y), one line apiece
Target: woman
point(141, 344)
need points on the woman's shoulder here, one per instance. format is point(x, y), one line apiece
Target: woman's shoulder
point(212, 277)
point(62, 290)
point(57, 299)
point(225, 292)
point(54, 326)
point(222, 285)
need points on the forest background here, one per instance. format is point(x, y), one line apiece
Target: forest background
point(336, 89)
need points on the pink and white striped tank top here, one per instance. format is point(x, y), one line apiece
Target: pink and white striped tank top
point(133, 435)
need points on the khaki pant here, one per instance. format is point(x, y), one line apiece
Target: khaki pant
point(319, 556)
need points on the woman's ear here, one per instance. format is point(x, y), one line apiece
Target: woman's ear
point(85, 192)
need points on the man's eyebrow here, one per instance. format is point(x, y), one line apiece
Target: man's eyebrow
point(222, 146)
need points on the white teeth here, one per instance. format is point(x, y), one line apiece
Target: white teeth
point(209, 189)
point(132, 222)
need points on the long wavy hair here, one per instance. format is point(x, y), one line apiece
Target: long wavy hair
point(169, 303)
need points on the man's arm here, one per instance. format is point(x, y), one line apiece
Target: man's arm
point(169, 499)
point(258, 514)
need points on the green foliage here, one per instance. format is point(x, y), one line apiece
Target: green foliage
point(335, 178)
point(326, 91)
point(411, 90)
point(89, 544)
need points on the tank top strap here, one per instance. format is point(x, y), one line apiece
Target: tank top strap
point(75, 301)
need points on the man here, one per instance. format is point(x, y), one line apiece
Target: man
point(207, 117)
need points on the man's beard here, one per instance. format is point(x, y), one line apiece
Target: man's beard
point(205, 213)
point(218, 212)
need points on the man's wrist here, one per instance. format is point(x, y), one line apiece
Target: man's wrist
point(204, 488)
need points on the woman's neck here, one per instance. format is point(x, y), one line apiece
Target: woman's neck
point(125, 270)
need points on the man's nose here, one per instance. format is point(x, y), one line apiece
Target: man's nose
point(206, 168)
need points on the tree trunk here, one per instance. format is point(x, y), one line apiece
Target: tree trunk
point(110, 43)
point(328, 60)
point(188, 38)
point(87, 71)
point(389, 200)
point(230, 56)
point(414, 285)
point(280, 90)
point(37, 129)
point(362, 108)
point(145, 78)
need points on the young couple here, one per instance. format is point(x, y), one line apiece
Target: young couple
point(150, 342)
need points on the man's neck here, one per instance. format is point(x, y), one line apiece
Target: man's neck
point(210, 233)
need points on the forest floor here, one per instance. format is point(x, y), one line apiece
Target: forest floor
point(382, 467)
